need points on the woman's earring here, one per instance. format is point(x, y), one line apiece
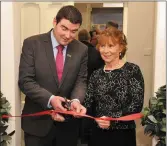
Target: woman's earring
point(120, 54)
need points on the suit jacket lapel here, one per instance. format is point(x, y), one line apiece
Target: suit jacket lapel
point(67, 62)
point(50, 55)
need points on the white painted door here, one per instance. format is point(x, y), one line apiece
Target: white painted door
point(37, 17)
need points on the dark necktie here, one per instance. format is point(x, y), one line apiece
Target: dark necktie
point(59, 62)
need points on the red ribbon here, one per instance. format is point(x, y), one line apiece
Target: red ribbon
point(50, 112)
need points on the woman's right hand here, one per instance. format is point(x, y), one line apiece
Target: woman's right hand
point(103, 123)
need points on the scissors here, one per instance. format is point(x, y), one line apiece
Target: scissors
point(67, 104)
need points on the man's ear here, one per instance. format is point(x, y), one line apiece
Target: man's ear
point(54, 22)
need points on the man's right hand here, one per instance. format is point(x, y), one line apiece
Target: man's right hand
point(56, 103)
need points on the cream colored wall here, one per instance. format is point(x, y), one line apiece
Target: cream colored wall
point(10, 54)
point(140, 35)
point(160, 46)
point(160, 49)
point(85, 10)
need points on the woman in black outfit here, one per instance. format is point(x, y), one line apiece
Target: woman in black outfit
point(115, 90)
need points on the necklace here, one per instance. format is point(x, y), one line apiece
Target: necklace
point(104, 69)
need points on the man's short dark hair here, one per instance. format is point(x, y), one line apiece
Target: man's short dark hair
point(111, 24)
point(70, 13)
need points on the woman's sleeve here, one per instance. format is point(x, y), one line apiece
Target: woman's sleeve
point(135, 92)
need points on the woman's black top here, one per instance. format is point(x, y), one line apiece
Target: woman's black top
point(116, 93)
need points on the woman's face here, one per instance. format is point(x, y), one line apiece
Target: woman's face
point(110, 51)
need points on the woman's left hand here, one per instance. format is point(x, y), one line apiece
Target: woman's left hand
point(103, 124)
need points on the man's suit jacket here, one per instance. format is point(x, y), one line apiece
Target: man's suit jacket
point(38, 79)
point(94, 59)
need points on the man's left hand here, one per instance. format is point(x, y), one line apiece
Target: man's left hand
point(77, 107)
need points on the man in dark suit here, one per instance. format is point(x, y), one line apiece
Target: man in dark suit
point(53, 66)
point(94, 59)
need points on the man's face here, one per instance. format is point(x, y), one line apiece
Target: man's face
point(65, 31)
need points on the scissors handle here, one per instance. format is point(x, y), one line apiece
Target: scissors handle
point(67, 104)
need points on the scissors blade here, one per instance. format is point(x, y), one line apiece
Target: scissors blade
point(68, 104)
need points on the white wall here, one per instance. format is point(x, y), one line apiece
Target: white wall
point(140, 36)
point(160, 46)
point(9, 66)
point(85, 10)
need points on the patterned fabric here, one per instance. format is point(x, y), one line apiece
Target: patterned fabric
point(116, 93)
